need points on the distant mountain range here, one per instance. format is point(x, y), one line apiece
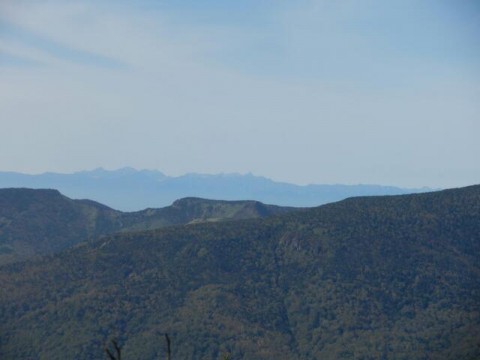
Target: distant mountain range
point(130, 190)
point(40, 222)
point(390, 277)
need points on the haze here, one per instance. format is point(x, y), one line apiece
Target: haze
point(317, 91)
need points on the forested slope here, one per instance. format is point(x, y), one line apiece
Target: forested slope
point(366, 278)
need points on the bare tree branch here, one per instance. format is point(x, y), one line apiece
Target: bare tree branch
point(110, 355)
point(169, 352)
point(118, 351)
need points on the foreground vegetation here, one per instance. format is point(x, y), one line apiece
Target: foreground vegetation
point(366, 278)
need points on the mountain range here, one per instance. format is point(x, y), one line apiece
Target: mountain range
point(130, 190)
point(385, 277)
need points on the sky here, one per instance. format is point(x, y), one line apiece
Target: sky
point(304, 91)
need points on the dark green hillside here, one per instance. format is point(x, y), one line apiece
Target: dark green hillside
point(195, 210)
point(39, 222)
point(366, 278)
point(44, 221)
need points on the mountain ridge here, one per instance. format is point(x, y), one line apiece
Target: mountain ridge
point(153, 189)
point(39, 222)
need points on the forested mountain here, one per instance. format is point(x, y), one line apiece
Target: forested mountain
point(39, 222)
point(130, 190)
point(366, 278)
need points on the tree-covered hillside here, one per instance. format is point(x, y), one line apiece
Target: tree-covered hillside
point(40, 222)
point(366, 278)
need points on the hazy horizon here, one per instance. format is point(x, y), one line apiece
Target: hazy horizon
point(303, 92)
point(131, 168)
point(128, 189)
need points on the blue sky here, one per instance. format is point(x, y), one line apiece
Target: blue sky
point(307, 91)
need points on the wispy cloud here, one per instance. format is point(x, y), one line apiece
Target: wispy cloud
point(11, 60)
point(58, 50)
